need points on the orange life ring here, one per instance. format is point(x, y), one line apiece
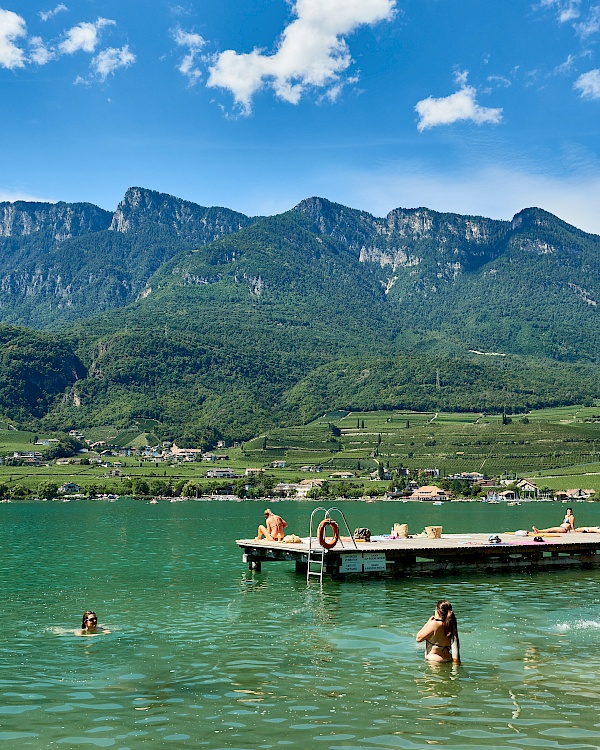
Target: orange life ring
point(322, 539)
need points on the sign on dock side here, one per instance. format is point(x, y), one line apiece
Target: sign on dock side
point(363, 562)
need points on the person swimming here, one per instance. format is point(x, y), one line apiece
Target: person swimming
point(440, 634)
point(89, 624)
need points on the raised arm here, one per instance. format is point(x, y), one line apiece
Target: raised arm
point(427, 630)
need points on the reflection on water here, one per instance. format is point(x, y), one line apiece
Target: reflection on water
point(204, 653)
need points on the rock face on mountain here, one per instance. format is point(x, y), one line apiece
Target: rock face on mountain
point(59, 220)
point(531, 285)
point(211, 318)
point(141, 209)
point(61, 262)
point(436, 246)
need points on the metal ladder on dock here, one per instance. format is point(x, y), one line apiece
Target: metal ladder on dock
point(316, 556)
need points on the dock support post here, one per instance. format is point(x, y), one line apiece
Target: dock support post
point(255, 566)
point(301, 566)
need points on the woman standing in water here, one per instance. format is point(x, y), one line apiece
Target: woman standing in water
point(440, 634)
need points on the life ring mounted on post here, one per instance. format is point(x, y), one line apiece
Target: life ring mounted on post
point(322, 539)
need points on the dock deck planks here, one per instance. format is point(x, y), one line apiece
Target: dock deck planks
point(452, 553)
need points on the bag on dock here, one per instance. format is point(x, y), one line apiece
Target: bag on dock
point(400, 530)
point(362, 535)
point(434, 532)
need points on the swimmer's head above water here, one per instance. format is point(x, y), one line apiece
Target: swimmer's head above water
point(90, 621)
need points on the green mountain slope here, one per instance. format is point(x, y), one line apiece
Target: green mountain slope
point(35, 370)
point(281, 318)
point(64, 262)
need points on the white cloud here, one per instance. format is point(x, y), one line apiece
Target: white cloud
point(83, 37)
point(565, 67)
point(194, 43)
point(566, 10)
point(589, 84)
point(500, 81)
point(591, 25)
point(8, 195)
point(458, 106)
point(109, 60)
point(311, 53)
point(12, 27)
point(47, 15)
point(460, 77)
point(39, 52)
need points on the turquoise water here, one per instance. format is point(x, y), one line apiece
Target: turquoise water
point(204, 653)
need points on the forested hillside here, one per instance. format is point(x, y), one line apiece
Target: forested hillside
point(218, 324)
point(61, 262)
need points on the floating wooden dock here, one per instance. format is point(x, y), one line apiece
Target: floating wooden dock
point(451, 554)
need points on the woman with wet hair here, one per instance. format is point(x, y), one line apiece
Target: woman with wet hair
point(89, 624)
point(440, 634)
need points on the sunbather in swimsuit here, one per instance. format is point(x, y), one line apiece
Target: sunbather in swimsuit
point(438, 632)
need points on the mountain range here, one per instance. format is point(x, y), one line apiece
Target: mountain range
point(218, 324)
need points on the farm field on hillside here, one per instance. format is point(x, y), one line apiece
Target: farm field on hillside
point(558, 448)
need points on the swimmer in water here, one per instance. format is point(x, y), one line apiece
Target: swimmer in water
point(89, 624)
point(440, 634)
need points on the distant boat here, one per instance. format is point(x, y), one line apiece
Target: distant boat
point(438, 502)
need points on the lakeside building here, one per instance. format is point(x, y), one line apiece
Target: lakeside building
point(429, 492)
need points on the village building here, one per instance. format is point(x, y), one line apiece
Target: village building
point(579, 494)
point(183, 454)
point(224, 473)
point(429, 492)
point(68, 488)
point(473, 477)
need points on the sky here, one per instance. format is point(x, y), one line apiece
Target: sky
point(466, 106)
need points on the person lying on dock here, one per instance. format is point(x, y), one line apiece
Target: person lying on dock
point(274, 530)
point(440, 634)
point(567, 525)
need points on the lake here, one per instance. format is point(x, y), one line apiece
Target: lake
point(204, 653)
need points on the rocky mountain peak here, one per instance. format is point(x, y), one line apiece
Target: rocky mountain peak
point(61, 220)
point(142, 208)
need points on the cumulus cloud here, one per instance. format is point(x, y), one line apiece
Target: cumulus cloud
point(109, 60)
point(39, 53)
point(48, 14)
point(194, 43)
point(311, 53)
point(12, 27)
point(84, 37)
point(461, 105)
point(588, 84)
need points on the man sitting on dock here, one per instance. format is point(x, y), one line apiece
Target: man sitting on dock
point(273, 532)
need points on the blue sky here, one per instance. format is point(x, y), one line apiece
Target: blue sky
point(469, 106)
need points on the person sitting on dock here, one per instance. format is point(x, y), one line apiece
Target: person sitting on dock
point(567, 525)
point(440, 634)
point(274, 530)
